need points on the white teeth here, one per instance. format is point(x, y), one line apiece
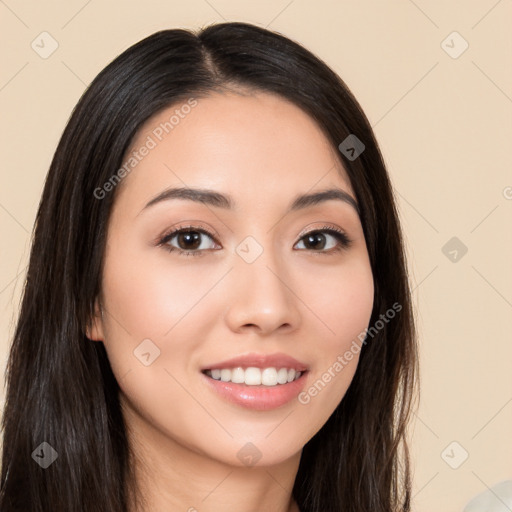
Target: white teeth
point(269, 377)
point(225, 375)
point(282, 376)
point(255, 376)
point(238, 375)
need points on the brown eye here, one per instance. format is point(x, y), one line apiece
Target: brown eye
point(188, 241)
point(318, 240)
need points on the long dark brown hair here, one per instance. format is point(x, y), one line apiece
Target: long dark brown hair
point(60, 386)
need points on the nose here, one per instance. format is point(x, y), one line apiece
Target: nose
point(262, 296)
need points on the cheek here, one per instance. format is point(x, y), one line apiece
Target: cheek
point(159, 308)
point(349, 313)
point(156, 309)
point(342, 300)
point(150, 296)
point(344, 303)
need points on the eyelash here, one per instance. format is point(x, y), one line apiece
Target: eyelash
point(344, 241)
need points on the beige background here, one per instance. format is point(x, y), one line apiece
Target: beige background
point(444, 125)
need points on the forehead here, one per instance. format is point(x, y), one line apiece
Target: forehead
point(251, 146)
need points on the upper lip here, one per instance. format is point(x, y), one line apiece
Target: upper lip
point(278, 360)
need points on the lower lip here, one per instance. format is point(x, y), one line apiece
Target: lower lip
point(259, 398)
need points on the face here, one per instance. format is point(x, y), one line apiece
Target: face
point(273, 285)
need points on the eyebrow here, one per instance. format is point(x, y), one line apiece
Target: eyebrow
point(219, 200)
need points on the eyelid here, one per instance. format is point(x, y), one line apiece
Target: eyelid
point(189, 225)
point(325, 226)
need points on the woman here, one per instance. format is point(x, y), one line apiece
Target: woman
point(275, 370)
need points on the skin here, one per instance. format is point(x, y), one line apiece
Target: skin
point(263, 151)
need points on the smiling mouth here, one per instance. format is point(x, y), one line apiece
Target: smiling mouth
point(259, 389)
point(253, 376)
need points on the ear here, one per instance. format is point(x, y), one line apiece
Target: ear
point(94, 329)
